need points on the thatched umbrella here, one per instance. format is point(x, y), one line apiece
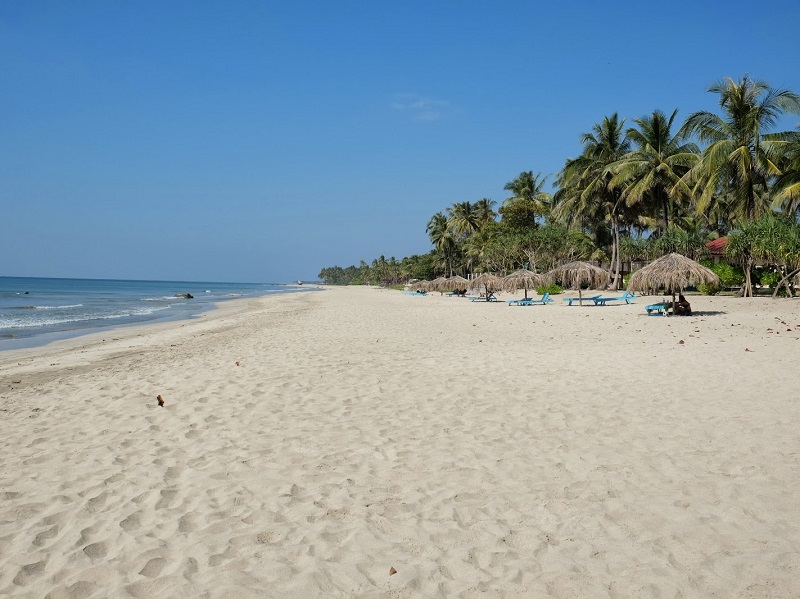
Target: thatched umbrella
point(522, 279)
point(575, 275)
point(418, 286)
point(455, 283)
point(674, 272)
point(435, 285)
point(488, 281)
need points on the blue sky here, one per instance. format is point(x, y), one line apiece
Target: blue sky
point(262, 141)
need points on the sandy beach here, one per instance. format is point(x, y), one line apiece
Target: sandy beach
point(360, 442)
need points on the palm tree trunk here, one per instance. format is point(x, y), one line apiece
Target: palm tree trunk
point(617, 285)
point(747, 290)
point(785, 282)
point(665, 208)
point(615, 252)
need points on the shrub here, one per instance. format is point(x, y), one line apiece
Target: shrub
point(729, 276)
point(708, 289)
point(550, 288)
point(626, 279)
point(770, 279)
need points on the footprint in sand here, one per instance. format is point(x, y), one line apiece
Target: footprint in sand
point(143, 497)
point(216, 560)
point(174, 472)
point(82, 588)
point(41, 539)
point(86, 535)
point(190, 568)
point(153, 567)
point(96, 550)
point(95, 504)
point(166, 499)
point(149, 588)
point(29, 573)
point(188, 522)
point(132, 522)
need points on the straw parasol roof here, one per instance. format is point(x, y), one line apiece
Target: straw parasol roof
point(576, 275)
point(488, 281)
point(455, 282)
point(674, 272)
point(522, 279)
point(435, 285)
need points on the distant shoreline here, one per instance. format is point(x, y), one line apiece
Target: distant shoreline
point(38, 311)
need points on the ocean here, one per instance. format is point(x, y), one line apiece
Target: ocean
point(35, 311)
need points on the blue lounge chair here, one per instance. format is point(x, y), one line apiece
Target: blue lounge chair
point(570, 300)
point(416, 293)
point(529, 301)
point(526, 301)
point(484, 298)
point(659, 309)
point(626, 297)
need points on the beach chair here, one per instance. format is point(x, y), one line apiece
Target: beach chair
point(529, 301)
point(526, 301)
point(626, 297)
point(545, 299)
point(570, 300)
point(415, 293)
point(484, 298)
point(659, 309)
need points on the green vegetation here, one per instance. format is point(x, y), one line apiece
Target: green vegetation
point(729, 276)
point(550, 288)
point(634, 194)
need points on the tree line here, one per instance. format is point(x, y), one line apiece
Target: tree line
point(635, 193)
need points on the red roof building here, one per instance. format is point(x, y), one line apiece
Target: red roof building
point(717, 246)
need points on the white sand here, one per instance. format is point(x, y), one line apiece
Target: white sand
point(480, 450)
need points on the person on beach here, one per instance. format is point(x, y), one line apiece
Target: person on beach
point(682, 307)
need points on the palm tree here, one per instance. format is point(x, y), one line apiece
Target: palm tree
point(746, 245)
point(737, 159)
point(484, 211)
point(528, 197)
point(478, 247)
point(787, 186)
point(652, 172)
point(586, 182)
point(463, 219)
point(438, 230)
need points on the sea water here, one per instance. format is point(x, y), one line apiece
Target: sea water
point(34, 311)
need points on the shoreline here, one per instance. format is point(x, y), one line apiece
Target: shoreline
point(119, 339)
point(109, 327)
point(309, 443)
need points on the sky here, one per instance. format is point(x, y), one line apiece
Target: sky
point(260, 141)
